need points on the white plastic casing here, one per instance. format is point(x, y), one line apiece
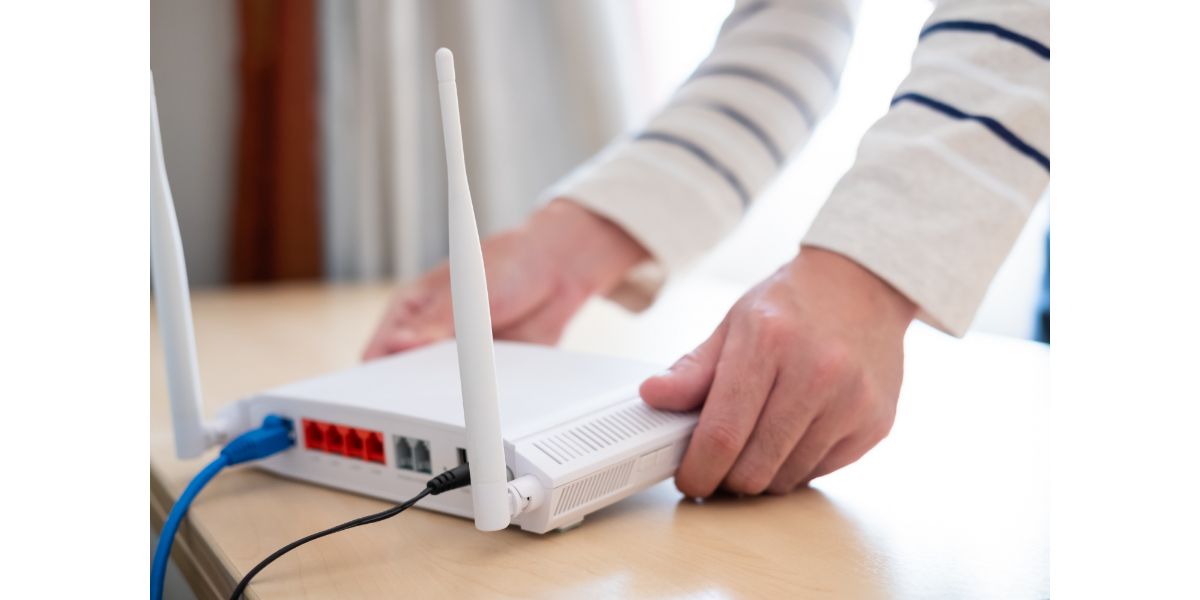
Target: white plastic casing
point(472, 321)
point(173, 306)
point(572, 420)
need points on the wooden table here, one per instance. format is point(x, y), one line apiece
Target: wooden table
point(954, 503)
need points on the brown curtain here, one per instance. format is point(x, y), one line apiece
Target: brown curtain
point(276, 227)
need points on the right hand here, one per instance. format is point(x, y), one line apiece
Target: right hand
point(538, 276)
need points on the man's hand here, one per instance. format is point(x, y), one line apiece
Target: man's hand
point(799, 380)
point(538, 276)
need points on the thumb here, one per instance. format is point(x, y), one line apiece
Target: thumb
point(685, 385)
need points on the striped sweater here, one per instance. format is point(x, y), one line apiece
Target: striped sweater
point(941, 185)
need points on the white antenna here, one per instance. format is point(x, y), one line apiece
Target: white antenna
point(472, 323)
point(174, 307)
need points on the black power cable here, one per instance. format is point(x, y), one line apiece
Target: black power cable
point(453, 479)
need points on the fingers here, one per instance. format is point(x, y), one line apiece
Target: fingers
point(434, 322)
point(423, 312)
point(407, 338)
point(820, 437)
point(528, 274)
point(400, 308)
point(834, 440)
point(685, 385)
point(418, 315)
point(545, 324)
point(787, 425)
point(741, 385)
point(386, 342)
point(848, 451)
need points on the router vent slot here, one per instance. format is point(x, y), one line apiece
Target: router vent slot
point(593, 487)
point(602, 431)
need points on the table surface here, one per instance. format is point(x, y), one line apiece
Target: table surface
point(954, 503)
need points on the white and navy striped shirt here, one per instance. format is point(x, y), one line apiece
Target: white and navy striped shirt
point(941, 186)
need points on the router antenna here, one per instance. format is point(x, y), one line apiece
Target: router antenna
point(173, 305)
point(472, 323)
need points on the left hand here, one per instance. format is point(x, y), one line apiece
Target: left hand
point(799, 380)
point(538, 275)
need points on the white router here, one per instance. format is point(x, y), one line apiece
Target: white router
point(551, 435)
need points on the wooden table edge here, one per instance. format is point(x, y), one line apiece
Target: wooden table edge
point(206, 572)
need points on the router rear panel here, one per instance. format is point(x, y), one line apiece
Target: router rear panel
point(583, 464)
point(387, 480)
point(384, 428)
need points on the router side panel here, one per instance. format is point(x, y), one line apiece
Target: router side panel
point(601, 458)
point(399, 474)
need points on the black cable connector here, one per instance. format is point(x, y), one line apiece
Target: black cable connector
point(452, 479)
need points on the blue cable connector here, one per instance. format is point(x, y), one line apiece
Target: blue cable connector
point(274, 436)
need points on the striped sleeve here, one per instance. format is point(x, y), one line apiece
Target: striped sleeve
point(944, 182)
point(683, 181)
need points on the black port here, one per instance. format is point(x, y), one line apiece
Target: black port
point(421, 459)
point(404, 453)
point(462, 456)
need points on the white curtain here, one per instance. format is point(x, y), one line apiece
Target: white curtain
point(543, 85)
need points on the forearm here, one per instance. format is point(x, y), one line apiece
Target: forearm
point(945, 181)
point(685, 179)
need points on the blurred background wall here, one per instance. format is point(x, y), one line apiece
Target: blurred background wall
point(193, 54)
point(251, 89)
point(542, 86)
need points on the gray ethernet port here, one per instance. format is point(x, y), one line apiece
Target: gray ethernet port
point(462, 456)
point(421, 459)
point(404, 453)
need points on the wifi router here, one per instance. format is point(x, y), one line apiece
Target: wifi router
point(573, 422)
point(549, 436)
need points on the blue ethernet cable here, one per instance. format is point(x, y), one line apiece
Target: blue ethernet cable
point(274, 436)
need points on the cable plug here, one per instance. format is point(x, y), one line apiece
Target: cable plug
point(525, 493)
point(453, 479)
point(275, 435)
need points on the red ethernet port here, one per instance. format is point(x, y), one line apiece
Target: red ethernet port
point(346, 441)
point(375, 447)
point(354, 443)
point(335, 439)
point(314, 435)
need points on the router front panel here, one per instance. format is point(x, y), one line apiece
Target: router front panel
point(600, 458)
